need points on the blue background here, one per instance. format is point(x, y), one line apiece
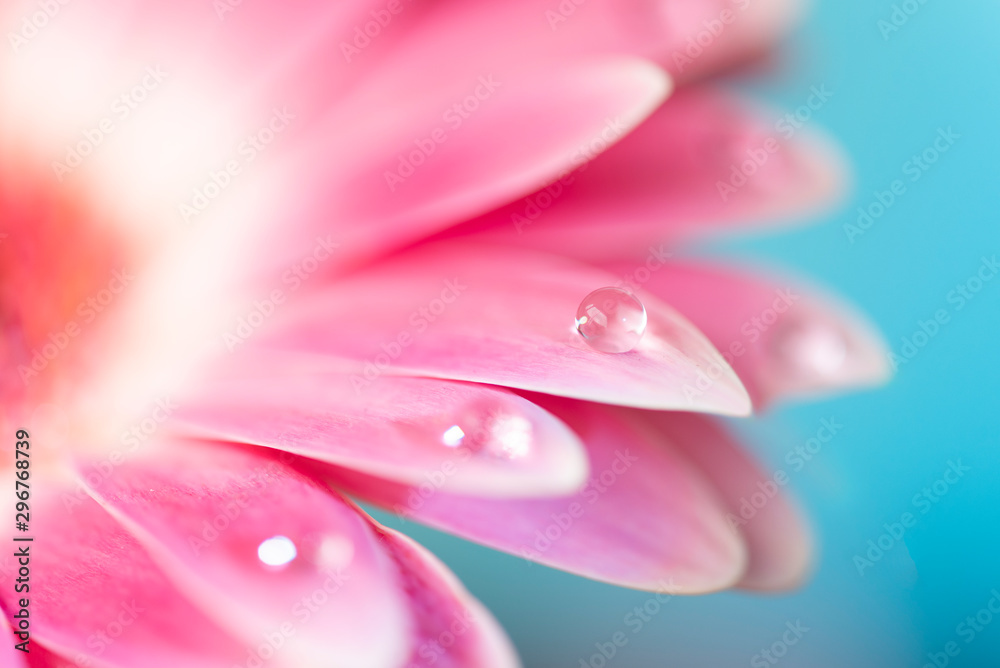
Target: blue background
point(891, 95)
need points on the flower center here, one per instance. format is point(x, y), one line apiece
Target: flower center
point(61, 270)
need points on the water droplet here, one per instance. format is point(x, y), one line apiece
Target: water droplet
point(277, 551)
point(811, 347)
point(453, 436)
point(489, 430)
point(611, 320)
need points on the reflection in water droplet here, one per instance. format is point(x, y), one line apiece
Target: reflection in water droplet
point(277, 551)
point(611, 320)
point(811, 347)
point(453, 437)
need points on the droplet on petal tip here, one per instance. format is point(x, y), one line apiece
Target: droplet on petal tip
point(491, 432)
point(611, 320)
point(277, 552)
point(810, 348)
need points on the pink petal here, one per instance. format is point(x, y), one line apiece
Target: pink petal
point(418, 167)
point(99, 600)
point(707, 36)
point(782, 339)
point(779, 544)
point(453, 629)
point(646, 519)
point(222, 522)
point(504, 317)
point(671, 180)
point(43, 658)
point(726, 30)
point(261, 54)
point(465, 438)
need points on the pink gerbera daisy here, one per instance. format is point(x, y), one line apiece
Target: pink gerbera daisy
point(259, 259)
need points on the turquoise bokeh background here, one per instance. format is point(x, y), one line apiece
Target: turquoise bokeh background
point(892, 92)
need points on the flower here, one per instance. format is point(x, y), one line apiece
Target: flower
point(256, 258)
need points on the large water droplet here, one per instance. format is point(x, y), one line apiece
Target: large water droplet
point(611, 320)
point(277, 551)
point(810, 347)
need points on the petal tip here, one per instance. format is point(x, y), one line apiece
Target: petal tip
point(834, 350)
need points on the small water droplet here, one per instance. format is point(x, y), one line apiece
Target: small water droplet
point(277, 551)
point(611, 320)
point(453, 436)
point(811, 347)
